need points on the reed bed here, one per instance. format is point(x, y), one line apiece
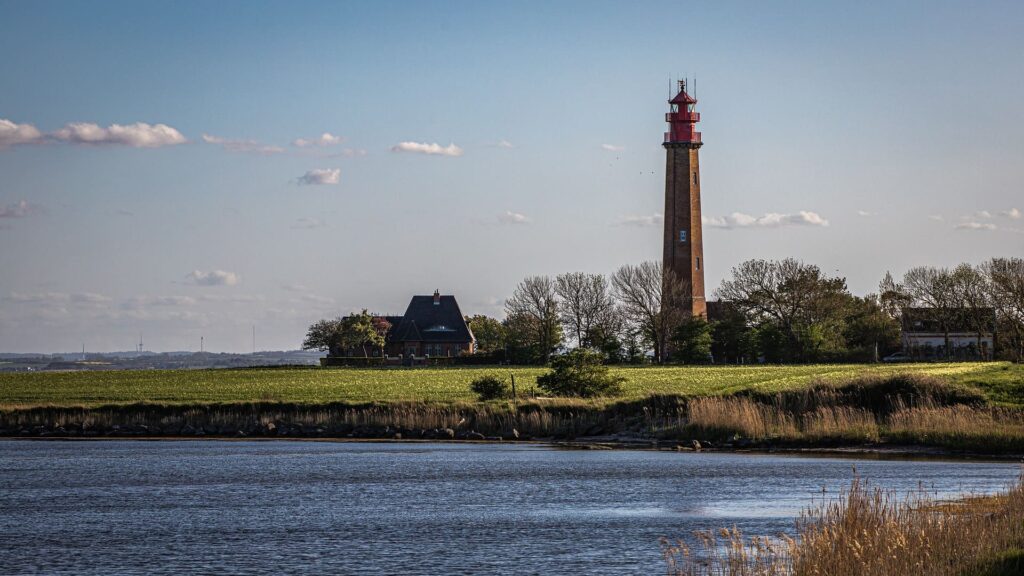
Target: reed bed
point(868, 532)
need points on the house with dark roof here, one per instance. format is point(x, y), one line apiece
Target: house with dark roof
point(431, 326)
point(969, 333)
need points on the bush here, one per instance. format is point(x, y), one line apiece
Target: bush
point(580, 373)
point(490, 388)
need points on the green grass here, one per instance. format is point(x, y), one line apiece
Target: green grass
point(1002, 383)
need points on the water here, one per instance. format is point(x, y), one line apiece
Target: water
point(171, 507)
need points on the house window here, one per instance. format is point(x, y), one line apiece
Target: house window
point(682, 235)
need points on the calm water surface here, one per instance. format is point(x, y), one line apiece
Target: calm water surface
point(224, 507)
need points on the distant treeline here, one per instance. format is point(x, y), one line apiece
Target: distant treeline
point(766, 311)
point(775, 311)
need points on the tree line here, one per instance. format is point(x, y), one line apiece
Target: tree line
point(766, 311)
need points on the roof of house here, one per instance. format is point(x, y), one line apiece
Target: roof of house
point(425, 321)
point(957, 319)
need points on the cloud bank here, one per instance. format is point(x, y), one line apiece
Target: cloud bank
point(767, 220)
point(433, 149)
point(975, 225)
point(213, 278)
point(19, 209)
point(655, 219)
point(250, 146)
point(321, 177)
point(12, 134)
point(325, 139)
point(138, 135)
point(510, 217)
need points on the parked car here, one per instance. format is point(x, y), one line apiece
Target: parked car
point(897, 357)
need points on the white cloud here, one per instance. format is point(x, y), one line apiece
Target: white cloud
point(308, 224)
point(424, 148)
point(936, 218)
point(767, 220)
point(612, 147)
point(350, 153)
point(505, 144)
point(655, 219)
point(294, 287)
point(138, 135)
point(314, 299)
point(12, 134)
point(19, 209)
point(89, 298)
point(510, 217)
point(251, 146)
point(124, 212)
point(213, 278)
point(54, 298)
point(163, 301)
point(864, 213)
point(325, 139)
point(983, 214)
point(1012, 213)
point(975, 225)
point(321, 176)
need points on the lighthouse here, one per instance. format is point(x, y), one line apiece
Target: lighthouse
point(683, 258)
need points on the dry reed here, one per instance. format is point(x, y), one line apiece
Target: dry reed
point(866, 532)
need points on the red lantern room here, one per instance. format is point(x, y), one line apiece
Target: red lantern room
point(682, 117)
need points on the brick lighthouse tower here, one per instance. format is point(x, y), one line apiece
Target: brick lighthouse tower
point(684, 248)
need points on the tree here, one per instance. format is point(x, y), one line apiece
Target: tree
point(691, 341)
point(805, 306)
point(585, 304)
point(732, 340)
point(651, 303)
point(364, 330)
point(893, 297)
point(1006, 290)
point(490, 334)
point(971, 294)
point(340, 335)
point(580, 373)
point(325, 335)
point(534, 306)
point(934, 288)
point(870, 328)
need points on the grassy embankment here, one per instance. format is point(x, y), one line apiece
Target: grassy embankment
point(965, 406)
point(870, 532)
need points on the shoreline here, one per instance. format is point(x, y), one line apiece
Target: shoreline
point(860, 452)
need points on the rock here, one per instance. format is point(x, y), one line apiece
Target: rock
point(696, 445)
point(187, 430)
point(396, 436)
point(475, 436)
point(447, 433)
point(269, 428)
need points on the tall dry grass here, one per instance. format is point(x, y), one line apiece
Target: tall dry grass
point(866, 532)
point(905, 409)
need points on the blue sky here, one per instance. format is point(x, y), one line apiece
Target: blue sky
point(900, 125)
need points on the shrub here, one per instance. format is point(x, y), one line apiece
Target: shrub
point(489, 387)
point(580, 373)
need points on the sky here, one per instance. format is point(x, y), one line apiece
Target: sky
point(186, 170)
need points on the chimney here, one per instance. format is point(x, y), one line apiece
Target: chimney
point(437, 298)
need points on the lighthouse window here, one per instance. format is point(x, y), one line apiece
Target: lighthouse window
point(698, 262)
point(682, 235)
point(695, 178)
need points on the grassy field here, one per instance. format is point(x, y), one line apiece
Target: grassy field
point(1002, 383)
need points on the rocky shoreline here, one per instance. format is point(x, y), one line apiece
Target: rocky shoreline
point(292, 431)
